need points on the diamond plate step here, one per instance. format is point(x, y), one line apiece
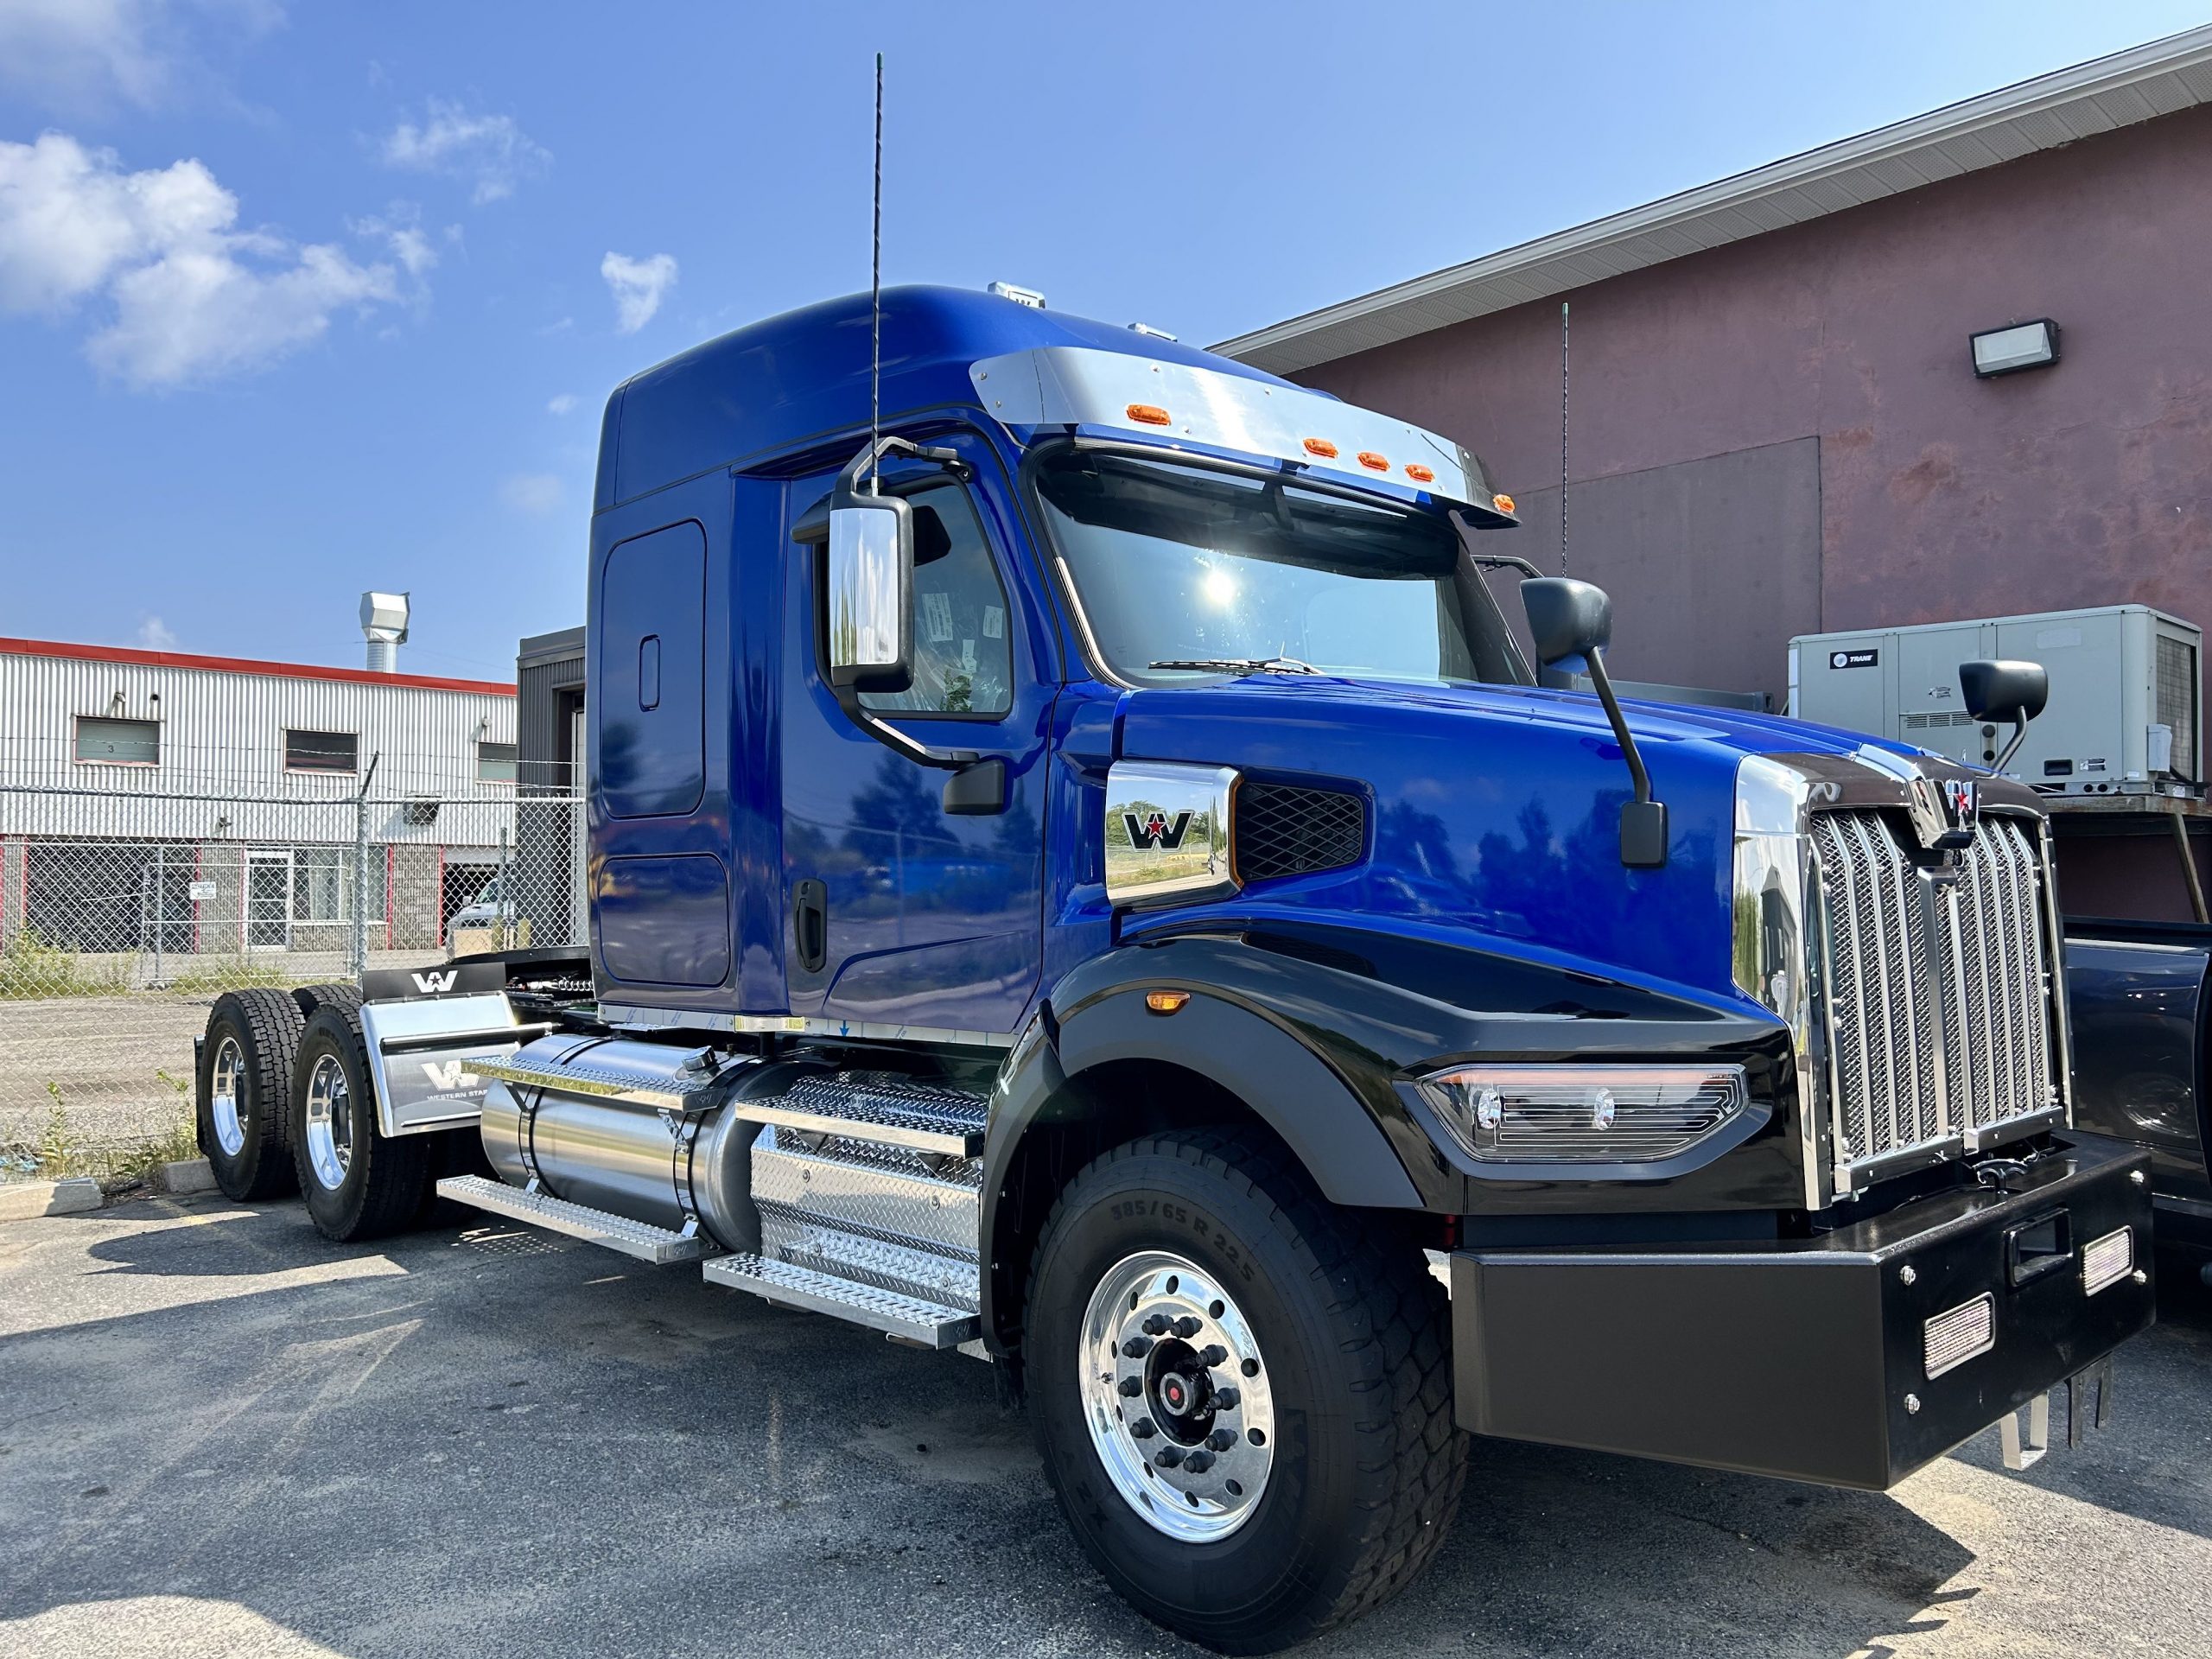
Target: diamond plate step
point(905, 1317)
point(886, 1111)
point(641, 1240)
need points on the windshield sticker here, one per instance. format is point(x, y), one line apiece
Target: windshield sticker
point(968, 656)
point(936, 616)
point(993, 622)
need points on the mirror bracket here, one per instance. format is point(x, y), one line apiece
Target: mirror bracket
point(1569, 620)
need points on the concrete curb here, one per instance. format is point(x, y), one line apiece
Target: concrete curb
point(21, 1200)
point(187, 1175)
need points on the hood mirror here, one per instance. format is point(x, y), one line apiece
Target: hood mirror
point(1572, 623)
point(1996, 690)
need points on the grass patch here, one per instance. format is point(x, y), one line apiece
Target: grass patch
point(31, 968)
point(57, 1154)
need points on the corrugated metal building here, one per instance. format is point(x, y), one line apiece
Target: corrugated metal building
point(201, 797)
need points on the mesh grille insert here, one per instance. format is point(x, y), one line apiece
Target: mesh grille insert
point(1282, 830)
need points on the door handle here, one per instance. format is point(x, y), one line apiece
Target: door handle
point(810, 924)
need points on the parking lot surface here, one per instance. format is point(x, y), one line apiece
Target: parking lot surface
point(220, 1435)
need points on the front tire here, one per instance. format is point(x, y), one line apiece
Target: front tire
point(358, 1183)
point(244, 1098)
point(1196, 1305)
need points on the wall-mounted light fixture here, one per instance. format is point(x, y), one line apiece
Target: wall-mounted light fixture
point(2021, 346)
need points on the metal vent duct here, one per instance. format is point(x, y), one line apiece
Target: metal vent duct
point(384, 624)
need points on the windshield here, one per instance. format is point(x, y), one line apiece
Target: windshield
point(1184, 571)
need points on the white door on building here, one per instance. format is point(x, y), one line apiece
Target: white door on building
point(269, 898)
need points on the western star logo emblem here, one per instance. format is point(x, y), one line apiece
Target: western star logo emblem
point(1961, 801)
point(434, 983)
point(447, 1076)
point(1156, 829)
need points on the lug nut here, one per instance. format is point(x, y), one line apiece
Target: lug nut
point(1222, 1438)
point(1132, 1386)
point(1225, 1399)
point(1199, 1462)
point(1143, 1429)
point(1137, 1347)
point(1212, 1353)
point(1156, 1325)
point(1186, 1327)
point(1169, 1456)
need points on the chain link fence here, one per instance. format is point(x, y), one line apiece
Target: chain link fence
point(124, 915)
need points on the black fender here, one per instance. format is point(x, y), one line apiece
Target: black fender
point(1229, 1030)
point(1318, 1029)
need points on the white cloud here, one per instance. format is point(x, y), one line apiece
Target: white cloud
point(154, 635)
point(191, 297)
point(638, 286)
point(490, 152)
point(561, 404)
point(534, 494)
point(95, 53)
point(400, 229)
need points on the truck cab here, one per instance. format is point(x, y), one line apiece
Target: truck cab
point(1081, 872)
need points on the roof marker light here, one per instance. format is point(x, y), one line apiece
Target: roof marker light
point(1150, 414)
point(1418, 473)
point(1322, 447)
point(1502, 503)
point(1373, 462)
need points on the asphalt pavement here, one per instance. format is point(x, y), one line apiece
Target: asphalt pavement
point(220, 1435)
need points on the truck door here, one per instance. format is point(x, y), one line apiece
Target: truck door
point(898, 912)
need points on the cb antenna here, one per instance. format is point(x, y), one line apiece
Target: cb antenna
point(875, 295)
point(1562, 437)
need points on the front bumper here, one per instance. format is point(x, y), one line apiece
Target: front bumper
point(1806, 1359)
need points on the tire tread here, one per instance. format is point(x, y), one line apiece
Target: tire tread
point(1414, 1460)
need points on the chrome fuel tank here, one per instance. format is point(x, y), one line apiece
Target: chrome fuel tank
point(628, 1127)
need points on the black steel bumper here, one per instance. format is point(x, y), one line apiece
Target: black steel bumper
point(1807, 1358)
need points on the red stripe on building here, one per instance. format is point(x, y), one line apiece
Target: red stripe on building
point(245, 665)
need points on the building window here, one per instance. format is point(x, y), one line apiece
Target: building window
point(495, 763)
point(119, 742)
point(322, 751)
point(319, 884)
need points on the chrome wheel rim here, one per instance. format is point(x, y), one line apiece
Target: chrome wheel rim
point(1176, 1396)
point(225, 1079)
point(330, 1123)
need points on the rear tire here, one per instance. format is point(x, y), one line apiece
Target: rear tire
point(1266, 1306)
point(243, 1102)
point(358, 1183)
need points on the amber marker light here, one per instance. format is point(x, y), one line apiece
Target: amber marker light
point(1322, 447)
point(1149, 414)
point(1502, 503)
point(1166, 1002)
point(1418, 473)
point(1373, 462)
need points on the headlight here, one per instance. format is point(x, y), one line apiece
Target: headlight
point(1584, 1114)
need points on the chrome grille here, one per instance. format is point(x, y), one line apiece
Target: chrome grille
point(1936, 1001)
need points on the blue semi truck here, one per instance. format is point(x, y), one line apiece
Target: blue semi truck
point(1082, 874)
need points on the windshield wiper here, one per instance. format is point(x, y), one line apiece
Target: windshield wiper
point(1239, 664)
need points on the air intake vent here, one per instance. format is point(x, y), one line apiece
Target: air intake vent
point(1285, 831)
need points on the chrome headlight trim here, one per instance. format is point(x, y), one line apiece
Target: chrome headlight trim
point(1556, 1114)
point(1168, 827)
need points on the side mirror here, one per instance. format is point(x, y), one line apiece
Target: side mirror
point(2005, 690)
point(1571, 620)
point(870, 580)
point(1567, 618)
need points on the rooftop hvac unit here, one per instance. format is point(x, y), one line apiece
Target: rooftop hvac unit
point(2125, 690)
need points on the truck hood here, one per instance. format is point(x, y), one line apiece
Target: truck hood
point(1494, 812)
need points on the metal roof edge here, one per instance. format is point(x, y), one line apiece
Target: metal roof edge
point(134, 656)
point(1319, 335)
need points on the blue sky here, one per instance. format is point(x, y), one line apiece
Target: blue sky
point(298, 298)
